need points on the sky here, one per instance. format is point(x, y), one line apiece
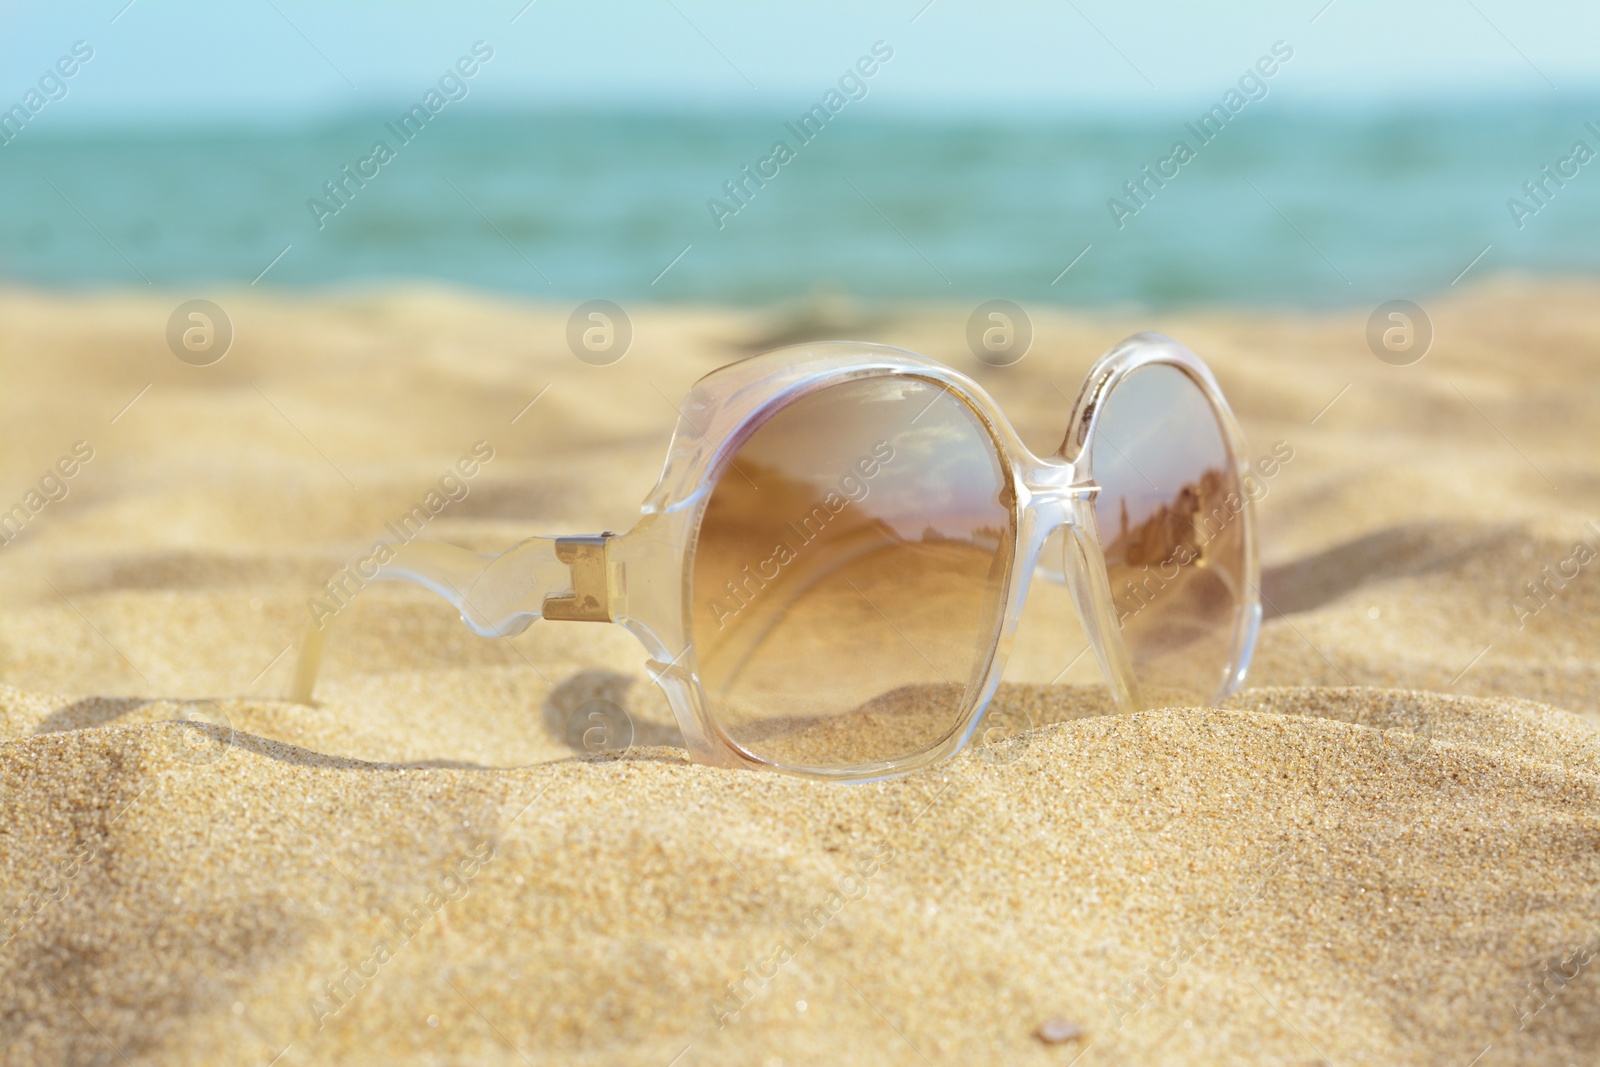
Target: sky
point(181, 62)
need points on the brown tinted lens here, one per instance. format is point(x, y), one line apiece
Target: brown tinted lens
point(1171, 518)
point(848, 575)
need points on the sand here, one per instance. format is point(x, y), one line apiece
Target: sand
point(1386, 850)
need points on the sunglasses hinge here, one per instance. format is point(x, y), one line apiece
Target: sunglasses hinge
point(590, 599)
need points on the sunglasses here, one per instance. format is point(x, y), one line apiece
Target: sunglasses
point(829, 574)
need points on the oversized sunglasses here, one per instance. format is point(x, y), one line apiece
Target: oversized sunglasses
point(829, 574)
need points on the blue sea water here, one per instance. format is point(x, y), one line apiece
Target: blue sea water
point(1281, 208)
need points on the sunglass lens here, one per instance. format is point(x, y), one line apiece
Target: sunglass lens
point(1171, 514)
point(849, 574)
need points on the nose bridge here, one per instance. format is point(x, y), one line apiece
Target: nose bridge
point(1055, 499)
point(1054, 492)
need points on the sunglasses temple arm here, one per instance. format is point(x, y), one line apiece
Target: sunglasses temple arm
point(497, 596)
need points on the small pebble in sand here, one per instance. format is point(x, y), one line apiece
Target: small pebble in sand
point(1058, 1031)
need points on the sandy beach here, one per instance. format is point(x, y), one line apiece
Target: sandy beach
point(1384, 850)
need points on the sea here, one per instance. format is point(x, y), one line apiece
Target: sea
point(1319, 207)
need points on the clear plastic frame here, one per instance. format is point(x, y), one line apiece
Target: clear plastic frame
point(643, 579)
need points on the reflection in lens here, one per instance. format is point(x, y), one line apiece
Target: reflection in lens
point(1171, 518)
point(848, 575)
